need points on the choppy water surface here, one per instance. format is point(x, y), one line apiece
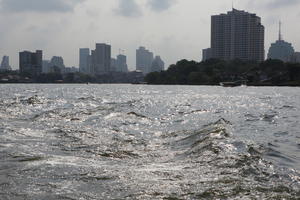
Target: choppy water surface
point(149, 142)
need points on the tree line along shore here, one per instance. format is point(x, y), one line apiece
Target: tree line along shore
point(184, 72)
point(214, 72)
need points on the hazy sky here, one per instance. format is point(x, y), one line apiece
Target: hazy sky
point(173, 29)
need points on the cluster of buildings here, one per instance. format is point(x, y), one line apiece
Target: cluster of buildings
point(99, 61)
point(95, 62)
point(240, 35)
point(32, 63)
point(146, 63)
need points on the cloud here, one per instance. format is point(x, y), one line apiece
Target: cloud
point(128, 8)
point(281, 3)
point(160, 5)
point(272, 4)
point(38, 5)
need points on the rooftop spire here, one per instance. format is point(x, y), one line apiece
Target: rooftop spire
point(280, 35)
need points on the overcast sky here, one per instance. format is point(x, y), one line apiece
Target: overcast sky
point(173, 29)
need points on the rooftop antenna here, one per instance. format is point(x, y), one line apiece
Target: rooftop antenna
point(280, 35)
point(232, 5)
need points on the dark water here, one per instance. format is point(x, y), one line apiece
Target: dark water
point(149, 142)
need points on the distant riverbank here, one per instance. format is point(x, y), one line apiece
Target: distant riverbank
point(213, 72)
point(184, 72)
point(58, 78)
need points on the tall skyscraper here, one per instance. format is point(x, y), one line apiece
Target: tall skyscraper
point(31, 63)
point(5, 64)
point(119, 64)
point(101, 58)
point(113, 65)
point(144, 59)
point(237, 35)
point(46, 66)
point(157, 64)
point(84, 54)
point(122, 63)
point(57, 64)
point(281, 49)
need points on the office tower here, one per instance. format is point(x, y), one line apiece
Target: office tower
point(237, 35)
point(57, 65)
point(31, 63)
point(122, 63)
point(281, 49)
point(93, 61)
point(113, 65)
point(5, 64)
point(84, 54)
point(46, 66)
point(157, 64)
point(206, 54)
point(100, 59)
point(144, 60)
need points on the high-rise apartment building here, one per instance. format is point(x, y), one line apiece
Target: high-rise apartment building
point(144, 59)
point(237, 35)
point(119, 64)
point(57, 65)
point(46, 66)
point(5, 64)
point(31, 63)
point(84, 54)
point(113, 65)
point(158, 64)
point(122, 63)
point(100, 59)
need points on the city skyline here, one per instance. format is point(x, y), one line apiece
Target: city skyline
point(175, 36)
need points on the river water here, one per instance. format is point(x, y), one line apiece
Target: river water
point(149, 142)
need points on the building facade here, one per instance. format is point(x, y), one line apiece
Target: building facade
point(122, 63)
point(57, 65)
point(5, 64)
point(144, 59)
point(119, 64)
point(101, 59)
point(113, 65)
point(72, 69)
point(84, 54)
point(281, 49)
point(158, 64)
point(237, 35)
point(31, 63)
point(46, 66)
point(206, 54)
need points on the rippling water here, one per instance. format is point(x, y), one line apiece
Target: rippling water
point(149, 142)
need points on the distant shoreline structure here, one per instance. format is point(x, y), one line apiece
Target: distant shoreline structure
point(211, 73)
point(214, 72)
